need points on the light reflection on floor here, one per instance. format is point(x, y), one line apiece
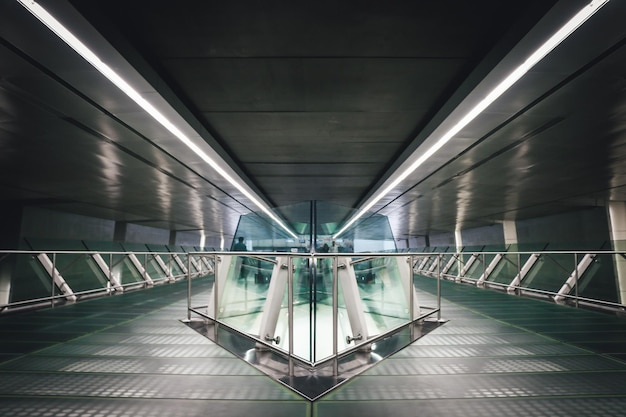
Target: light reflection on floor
point(250, 323)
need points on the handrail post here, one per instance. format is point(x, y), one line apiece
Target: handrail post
point(189, 288)
point(519, 274)
point(335, 317)
point(216, 297)
point(439, 287)
point(484, 266)
point(110, 277)
point(290, 312)
point(576, 277)
point(411, 298)
point(54, 269)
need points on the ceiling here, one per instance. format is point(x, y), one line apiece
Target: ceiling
point(312, 101)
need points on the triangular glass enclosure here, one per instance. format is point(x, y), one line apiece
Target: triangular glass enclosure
point(311, 320)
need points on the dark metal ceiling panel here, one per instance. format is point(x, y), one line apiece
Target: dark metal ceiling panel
point(313, 84)
point(285, 83)
point(567, 151)
point(312, 101)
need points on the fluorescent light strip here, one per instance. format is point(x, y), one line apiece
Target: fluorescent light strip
point(562, 34)
point(71, 40)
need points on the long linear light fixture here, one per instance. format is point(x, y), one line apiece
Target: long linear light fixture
point(559, 36)
point(71, 40)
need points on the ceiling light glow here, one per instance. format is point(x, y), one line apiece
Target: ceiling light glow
point(557, 38)
point(71, 40)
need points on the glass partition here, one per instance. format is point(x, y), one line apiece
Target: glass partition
point(245, 290)
point(381, 291)
point(372, 297)
point(123, 270)
point(313, 315)
point(34, 282)
point(549, 271)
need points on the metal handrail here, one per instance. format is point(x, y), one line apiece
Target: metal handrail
point(523, 290)
point(107, 289)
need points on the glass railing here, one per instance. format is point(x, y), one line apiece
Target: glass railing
point(34, 279)
point(316, 312)
point(591, 278)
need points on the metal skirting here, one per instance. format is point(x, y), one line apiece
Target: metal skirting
point(311, 382)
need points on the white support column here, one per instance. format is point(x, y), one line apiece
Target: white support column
point(107, 272)
point(522, 273)
point(490, 268)
point(273, 302)
point(139, 266)
point(354, 306)
point(509, 228)
point(571, 280)
point(56, 277)
point(458, 240)
point(617, 222)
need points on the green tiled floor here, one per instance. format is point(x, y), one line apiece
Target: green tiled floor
point(129, 355)
point(493, 358)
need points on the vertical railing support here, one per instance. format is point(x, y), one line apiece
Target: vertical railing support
point(484, 267)
point(411, 297)
point(111, 269)
point(188, 291)
point(335, 317)
point(216, 296)
point(439, 287)
point(54, 268)
point(516, 283)
point(519, 271)
point(572, 281)
point(576, 277)
point(290, 312)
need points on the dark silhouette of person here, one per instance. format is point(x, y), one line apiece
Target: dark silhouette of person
point(239, 246)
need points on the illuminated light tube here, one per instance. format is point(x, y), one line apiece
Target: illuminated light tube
point(559, 36)
point(68, 37)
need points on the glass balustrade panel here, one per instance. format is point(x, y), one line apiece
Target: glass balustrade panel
point(153, 267)
point(244, 292)
point(79, 271)
point(549, 272)
point(305, 313)
point(385, 298)
point(599, 280)
point(33, 283)
point(123, 270)
point(319, 304)
point(479, 265)
point(507, 268)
